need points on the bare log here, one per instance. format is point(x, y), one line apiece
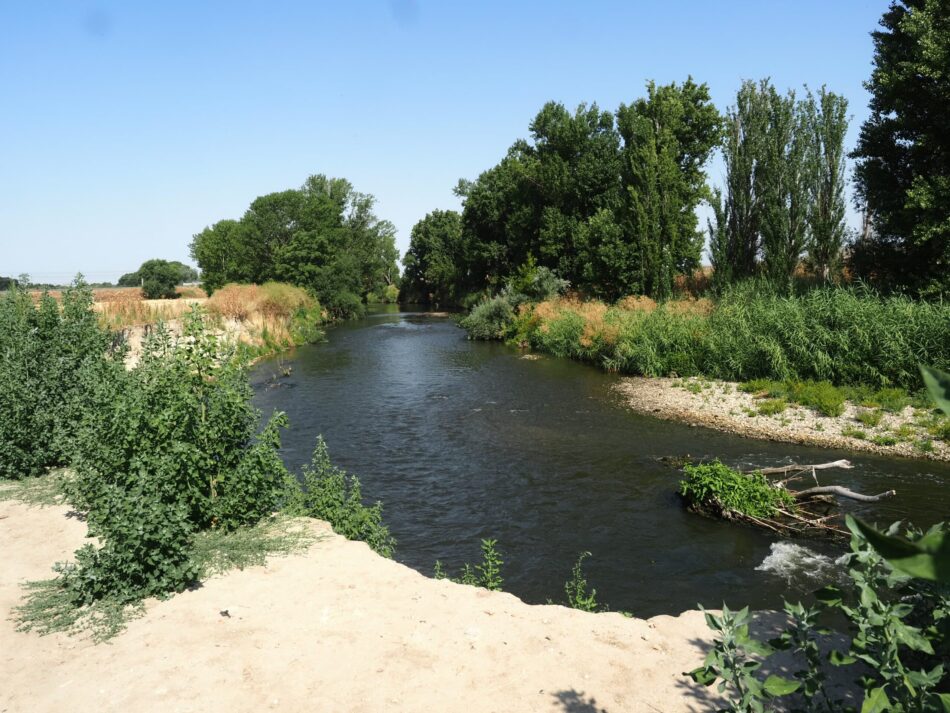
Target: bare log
point(795, 467)
point(841, 492)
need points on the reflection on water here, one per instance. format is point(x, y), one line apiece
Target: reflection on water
point(463, 440)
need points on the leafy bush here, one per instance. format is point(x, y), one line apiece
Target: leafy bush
point(184, 412)
point(332, 495)
point(717, 485)
point(43, 350)
point(159, 278)
point(490, 319)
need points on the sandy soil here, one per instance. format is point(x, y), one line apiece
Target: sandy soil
point(721, 405)
point(336, 629)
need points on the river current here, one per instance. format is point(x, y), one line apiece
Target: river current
point(466, 440)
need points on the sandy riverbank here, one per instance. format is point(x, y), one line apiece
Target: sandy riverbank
point(723, 406)
point(336, 628)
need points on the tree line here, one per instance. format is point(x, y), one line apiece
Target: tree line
point(608, 199)
point(323, 236)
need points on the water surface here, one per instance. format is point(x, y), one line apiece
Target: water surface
point(465, 440)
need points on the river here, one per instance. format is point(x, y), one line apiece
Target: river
point(466, 440)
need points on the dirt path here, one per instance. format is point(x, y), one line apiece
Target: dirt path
point(336, 629)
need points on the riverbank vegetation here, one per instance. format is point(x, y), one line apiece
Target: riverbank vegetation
point(323, 237)
point(160, 456)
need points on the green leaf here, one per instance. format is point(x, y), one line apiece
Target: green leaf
point(702, 675)
point(944, 699)
point(777, 686)
point(875, 701)
point(938, 384)
point(836, 658)
point(928, 558)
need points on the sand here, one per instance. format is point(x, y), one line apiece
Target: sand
point(336, 628)
point(723, 406)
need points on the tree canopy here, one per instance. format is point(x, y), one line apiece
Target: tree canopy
point(172, 269)
point(323, 236)
point(903, 154)
point(605, 199)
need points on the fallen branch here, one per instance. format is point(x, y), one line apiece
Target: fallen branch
point(841, 492)
point(795, 467)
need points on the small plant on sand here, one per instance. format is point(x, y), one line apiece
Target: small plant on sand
point(487, 574)
point(330, 494)
point(578, 597)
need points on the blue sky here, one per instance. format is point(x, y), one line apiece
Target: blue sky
point(129, 126)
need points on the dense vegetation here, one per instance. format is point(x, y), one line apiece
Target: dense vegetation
point(844, 336)
point(323, 236)
point(903, 153)
point(158, 453)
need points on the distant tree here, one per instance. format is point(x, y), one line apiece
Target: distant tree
point(435, 264)
point(7, 283)
point(323, 236)
point(130, 279)
point(903, 153)
point(159, 278)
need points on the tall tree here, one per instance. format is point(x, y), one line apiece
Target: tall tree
point(903, 154)
point(784, 181)
point(828, 120)
point(668, 137)
point(734, 238)
point(435, 271)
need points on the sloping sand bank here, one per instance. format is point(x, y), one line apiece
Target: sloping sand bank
point(336, 629)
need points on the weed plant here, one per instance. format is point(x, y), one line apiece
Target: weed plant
point(576, 588)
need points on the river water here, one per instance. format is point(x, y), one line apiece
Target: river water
point(466, 440)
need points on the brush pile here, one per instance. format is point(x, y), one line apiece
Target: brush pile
point(758, 498)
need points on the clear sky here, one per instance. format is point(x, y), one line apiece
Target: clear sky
point(129, 126)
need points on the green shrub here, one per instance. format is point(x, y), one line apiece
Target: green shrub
point(185, 410)
point(330, 494)
point(490, 319)
point(717, 485)
point(487, 574)
point(771, 407)
point(870, 417)
point(561, 336)
point(821, 396)
point(159, 278)
point(43, 352)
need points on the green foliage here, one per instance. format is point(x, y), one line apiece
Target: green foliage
point(734, 660)
point(604, 200)
point(487, 574)
point(44, 350)
point(870, 417)
point(217, 551)
point(330, 494)
point(578, 597)
point(719, 488)
point(435, 261)
point(159, 278)
point(772, 407)
point(898, 626)
point(490, 319)
point(183, 414)
point(902, 174)
point(938, 384)
point(323, 236)
point(784, 192)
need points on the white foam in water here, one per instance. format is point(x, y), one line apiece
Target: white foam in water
point(794, 562)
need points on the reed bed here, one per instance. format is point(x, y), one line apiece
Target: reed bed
point(845, 336)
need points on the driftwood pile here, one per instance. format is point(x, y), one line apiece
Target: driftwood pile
point(816, 512)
